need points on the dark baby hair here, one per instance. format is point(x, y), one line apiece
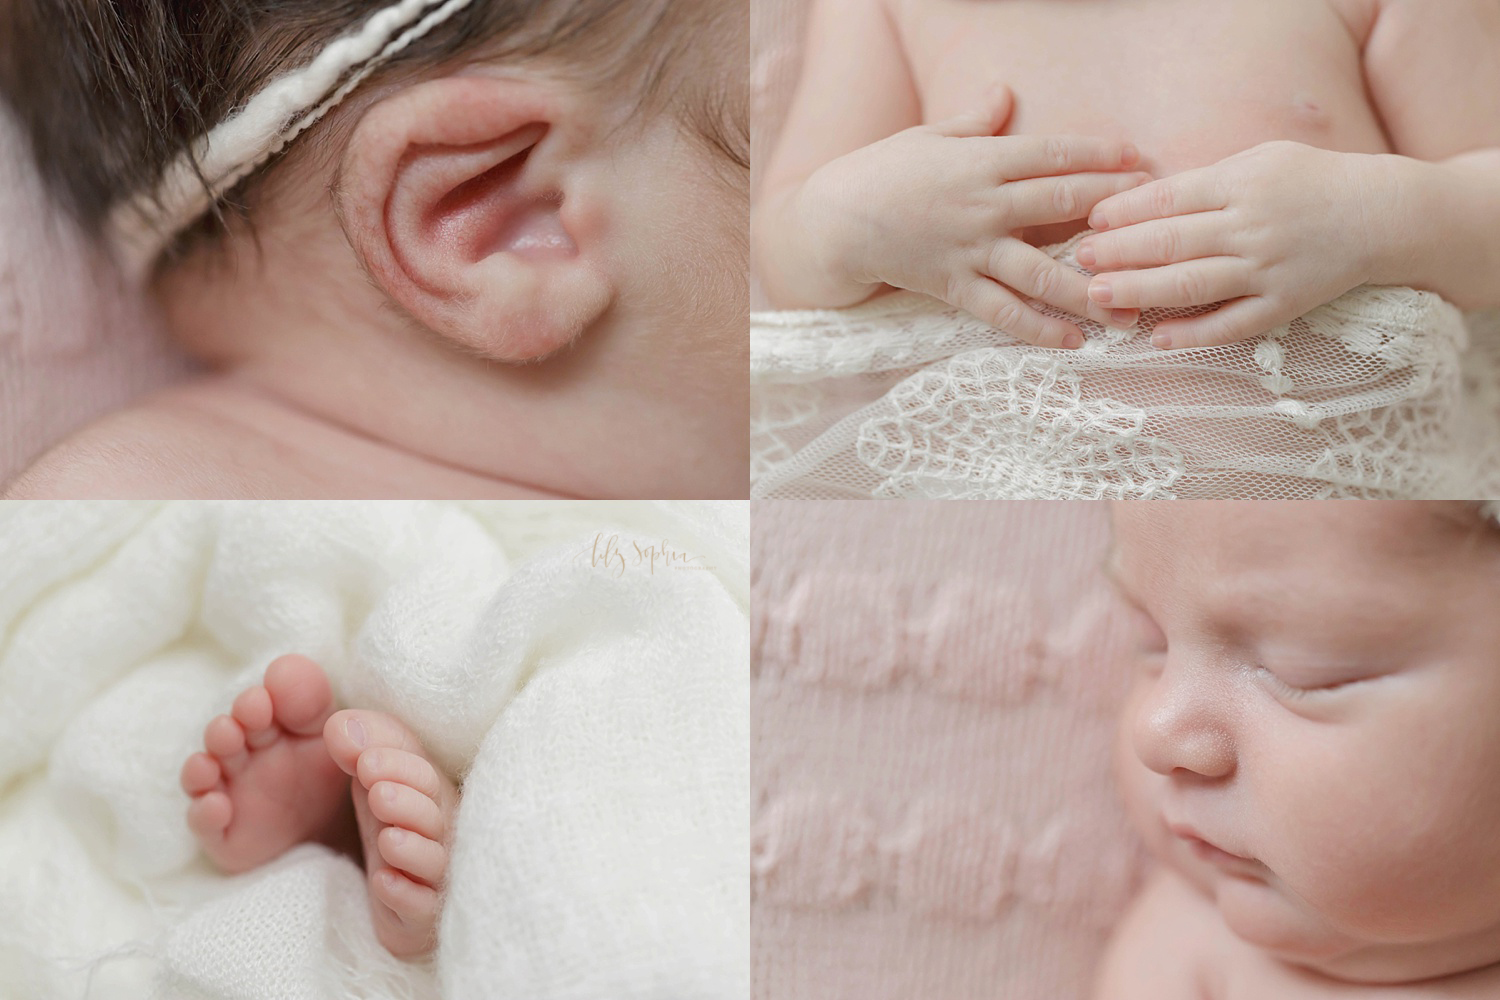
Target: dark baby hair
point(109, 92)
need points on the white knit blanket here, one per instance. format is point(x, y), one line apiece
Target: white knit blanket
point(580, 667)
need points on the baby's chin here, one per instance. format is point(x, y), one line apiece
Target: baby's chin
point(1259, 909)
point(1265, 914)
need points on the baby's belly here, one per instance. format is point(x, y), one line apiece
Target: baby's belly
point(1188, 82)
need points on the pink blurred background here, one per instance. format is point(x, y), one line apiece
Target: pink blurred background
point(934, 686)
point(74, 342)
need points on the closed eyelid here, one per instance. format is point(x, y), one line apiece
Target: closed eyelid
point(1323, 676)
point(1288, 690)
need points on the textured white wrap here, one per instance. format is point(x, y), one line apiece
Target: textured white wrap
point(1387, 392)
point(141, 227)
point(596, 712)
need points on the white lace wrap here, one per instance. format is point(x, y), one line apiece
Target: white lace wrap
point(1386, 392)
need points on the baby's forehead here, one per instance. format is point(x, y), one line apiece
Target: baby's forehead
point(1319, 540)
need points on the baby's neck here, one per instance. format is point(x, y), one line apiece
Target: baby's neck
point(220, 437)
point(625, 412)
point(1470, 964)
point(276, 446)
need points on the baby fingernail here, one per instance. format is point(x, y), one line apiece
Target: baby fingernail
point(1162, 340)
point(1086, 255)
point(1130, 154)
point(1073, 341)
point(1100, 291)
point(1098, 222)
point(356, 732)
point(1124, 317)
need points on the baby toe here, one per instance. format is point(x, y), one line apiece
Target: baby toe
point(389, 764)
point(412, 854)
point(300, 692)
point(209, 814)
point(344, 738)
point(404, 806)
point(224, 738)
point(200, 773)
point(413, 902)
point(252, 710)
point(349, 733)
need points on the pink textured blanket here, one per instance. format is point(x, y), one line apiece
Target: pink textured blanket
point(933, 700)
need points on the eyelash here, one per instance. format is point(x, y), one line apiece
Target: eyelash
point(1283, 689)
point(1151, 646)
point(1293, 692)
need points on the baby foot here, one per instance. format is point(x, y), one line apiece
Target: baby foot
point(404, 805)
point(267, 782)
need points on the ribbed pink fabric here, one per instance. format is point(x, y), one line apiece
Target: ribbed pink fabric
point(74, 344)
point(933, 700)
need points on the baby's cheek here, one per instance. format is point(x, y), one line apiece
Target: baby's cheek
point(1376, 864)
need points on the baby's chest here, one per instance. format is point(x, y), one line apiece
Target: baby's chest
point(1189, 81)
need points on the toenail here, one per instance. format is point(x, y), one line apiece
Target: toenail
point(356, 732)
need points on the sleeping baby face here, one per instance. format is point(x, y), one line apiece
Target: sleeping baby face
point(1313, 738)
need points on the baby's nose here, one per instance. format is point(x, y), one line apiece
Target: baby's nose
point(1181, 727)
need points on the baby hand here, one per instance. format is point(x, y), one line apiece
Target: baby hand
point(1272, 232)
point(936, 209)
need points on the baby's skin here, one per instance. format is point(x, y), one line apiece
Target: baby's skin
point(1299, 148)
point(1309, 751)
point(284, 768)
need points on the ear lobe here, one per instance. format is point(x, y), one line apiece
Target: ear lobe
point(460, 198)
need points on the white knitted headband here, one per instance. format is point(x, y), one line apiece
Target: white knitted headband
point(141, 227)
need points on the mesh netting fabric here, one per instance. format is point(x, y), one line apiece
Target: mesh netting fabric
point(1387, 392)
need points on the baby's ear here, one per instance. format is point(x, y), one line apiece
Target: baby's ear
point(469, 200)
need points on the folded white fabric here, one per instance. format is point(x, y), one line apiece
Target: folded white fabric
point(596, 709)
point(1387, 392)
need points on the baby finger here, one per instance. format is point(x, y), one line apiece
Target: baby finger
point(1033, 273)
point(1152, 244)
point(1200, 190)
point(1193, 283)
point(1002, 308)
point(1235, 321)
point(1020, 156)
point(1044, 200)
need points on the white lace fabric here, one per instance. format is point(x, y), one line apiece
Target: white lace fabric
point(1387, 392)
